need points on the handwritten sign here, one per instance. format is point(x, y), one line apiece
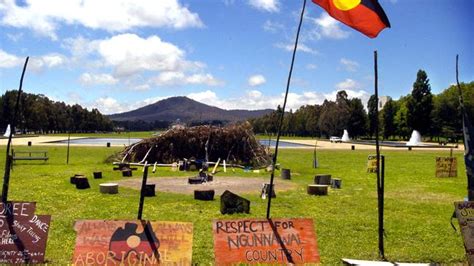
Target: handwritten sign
point(446, 167)
point(372, 164)
point(265, 241)
point(465, 215)
point(101, 242)
point(23, 234)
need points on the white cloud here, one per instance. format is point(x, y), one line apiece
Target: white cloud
point(311, 66)
point(349, 65)
point(108, 105)
point(266, 5)
point(256, 80)
point(97, 79)
point(329, 28)
point(35, 63)
point(273, 27)
point(348, 84)
point(45, 16)
point(301, 47)
point(130, 54)
point(170, 78)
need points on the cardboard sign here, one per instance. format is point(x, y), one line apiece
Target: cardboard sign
point(101, 242)
point(372, 164)
point(465, 215)
point(446, 167)
point(23, 234)
point(279, 241)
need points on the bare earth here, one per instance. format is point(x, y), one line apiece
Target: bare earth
point(220, 184)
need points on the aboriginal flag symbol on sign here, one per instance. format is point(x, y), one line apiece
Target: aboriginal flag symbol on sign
point(366, 16)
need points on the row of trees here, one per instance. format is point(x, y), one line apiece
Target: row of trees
point(38, 114)
point(432, 115)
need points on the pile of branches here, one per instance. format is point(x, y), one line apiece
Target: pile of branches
point(235, 143)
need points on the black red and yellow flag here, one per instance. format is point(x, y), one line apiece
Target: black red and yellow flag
point(366, 16)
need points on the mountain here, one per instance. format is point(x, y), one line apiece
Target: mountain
point(186, 110)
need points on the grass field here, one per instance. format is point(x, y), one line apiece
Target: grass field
point(418, 206)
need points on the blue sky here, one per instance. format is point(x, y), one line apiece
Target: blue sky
point(118, 55)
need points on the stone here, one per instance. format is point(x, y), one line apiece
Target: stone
point(232, 203)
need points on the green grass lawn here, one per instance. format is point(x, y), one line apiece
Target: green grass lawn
point(418, 206)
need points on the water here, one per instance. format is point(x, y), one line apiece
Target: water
point(114, 141)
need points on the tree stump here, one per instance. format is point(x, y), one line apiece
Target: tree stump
point(204, 194)
point(82, 182)
point(72, 180)
point(336, 183)
point(127, 173)
point(266, 191)
point(97, 175)
point(320, 190)
point(285, 174)
point(195, 180)
point(149, 190)
point(322, 179)
point(108, 188)
point(232, 203)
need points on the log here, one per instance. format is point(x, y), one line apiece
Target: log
point(97, 175)
point(323, 179)
point(320, 190)
point(285, 173)
point(108, 188)
point(204, 194)
point(82, 182)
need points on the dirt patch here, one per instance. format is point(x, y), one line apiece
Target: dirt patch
point(220, 184)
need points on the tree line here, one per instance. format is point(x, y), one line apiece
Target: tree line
point(433, 116)
point(38, 114)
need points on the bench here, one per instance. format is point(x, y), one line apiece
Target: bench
point(29, 155)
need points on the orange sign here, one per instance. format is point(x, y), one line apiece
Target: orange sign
point(265, 241)
point(101, 242)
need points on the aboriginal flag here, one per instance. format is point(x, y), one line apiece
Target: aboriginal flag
point(366, 16)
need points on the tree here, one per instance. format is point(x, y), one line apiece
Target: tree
point(357, 123)
point(401, 118)
point(388, 119)
point(372, 114)
point(420, 104)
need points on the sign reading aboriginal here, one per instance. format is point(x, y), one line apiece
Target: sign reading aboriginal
point(446, 167)
point(372, 164)
point(265, 241)
point(23, 234)
point(101, 242)
point(465, 215)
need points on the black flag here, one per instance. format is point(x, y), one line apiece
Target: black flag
point(468, 131)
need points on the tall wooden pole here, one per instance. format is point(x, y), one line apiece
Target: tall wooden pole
point(380, 181)
point(283, 111)
point(9, 159)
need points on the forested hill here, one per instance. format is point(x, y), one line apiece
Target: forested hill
point(39, 114)
point(186, 110)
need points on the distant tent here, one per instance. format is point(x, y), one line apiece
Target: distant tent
point(7, 132)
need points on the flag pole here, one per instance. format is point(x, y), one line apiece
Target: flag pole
point(283, 111)
point(380, 181)
point(468, 146)
point(9, 159)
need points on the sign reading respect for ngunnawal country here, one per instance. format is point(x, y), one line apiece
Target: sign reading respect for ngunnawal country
point(23, 234)
point(101, 242)
point(265, 241)
point(465, 215)
point(446, 167)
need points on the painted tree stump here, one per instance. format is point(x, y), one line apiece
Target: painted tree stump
point(82, 182)
point(204, 194)
point(97, 175)
point(336, 183)
point(285, 173)
point(266, 191)
point(320, 190)
point(127, 173)
point(149, 190)
point(323, 179)
point(108, 188)
point(72, 180)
